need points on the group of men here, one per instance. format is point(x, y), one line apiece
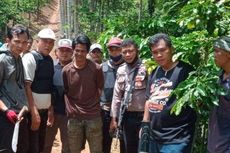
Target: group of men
point(85, 96)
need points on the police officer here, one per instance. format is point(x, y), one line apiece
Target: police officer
point(131, 78)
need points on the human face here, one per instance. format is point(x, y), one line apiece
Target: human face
point(222, 57)
point(129, 53)
point(114, 51)
point(162, 54)
point(96, 55)
point(80, 52)
point(64, 55)
point(18, 43)
point(45, 46)
point(29, 44)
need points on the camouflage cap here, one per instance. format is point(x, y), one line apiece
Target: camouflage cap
point(223, 43)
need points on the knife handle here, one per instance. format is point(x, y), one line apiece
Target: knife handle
point(22, 112)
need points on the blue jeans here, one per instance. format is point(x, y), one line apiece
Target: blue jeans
point(169, 148)
point(91, 129)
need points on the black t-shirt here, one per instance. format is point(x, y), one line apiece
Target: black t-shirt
point(167, 127)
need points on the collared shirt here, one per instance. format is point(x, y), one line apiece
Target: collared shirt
point(12, 89)
point(122, 86)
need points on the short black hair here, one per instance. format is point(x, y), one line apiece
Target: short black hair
point(153, 40)
point(128, 42)
point(17, 30)
point(81, 39)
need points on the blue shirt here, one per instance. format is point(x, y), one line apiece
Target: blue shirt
point(58, 90)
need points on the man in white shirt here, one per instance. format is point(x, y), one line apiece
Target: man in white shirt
point(39, 70)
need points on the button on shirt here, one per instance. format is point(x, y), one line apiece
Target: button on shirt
point(122, 85)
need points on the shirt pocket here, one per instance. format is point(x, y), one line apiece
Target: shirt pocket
point(140, 82)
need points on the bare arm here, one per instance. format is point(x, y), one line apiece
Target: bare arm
point(2, 106)
point(146, 117)
point(50, 120)
point(35, 117)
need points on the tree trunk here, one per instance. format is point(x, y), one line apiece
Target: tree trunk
point(140, 11)
point(93, 21)
point(151, 7)
point(76, 23)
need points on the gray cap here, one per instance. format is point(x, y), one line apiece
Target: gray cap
point(223, 43)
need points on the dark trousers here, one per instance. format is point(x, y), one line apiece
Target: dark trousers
point(107, 139)
point(60, 123)
point(6, 134)
point(131, 128)
point(37, 138)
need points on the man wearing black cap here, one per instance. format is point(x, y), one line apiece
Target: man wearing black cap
point(219, 123)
